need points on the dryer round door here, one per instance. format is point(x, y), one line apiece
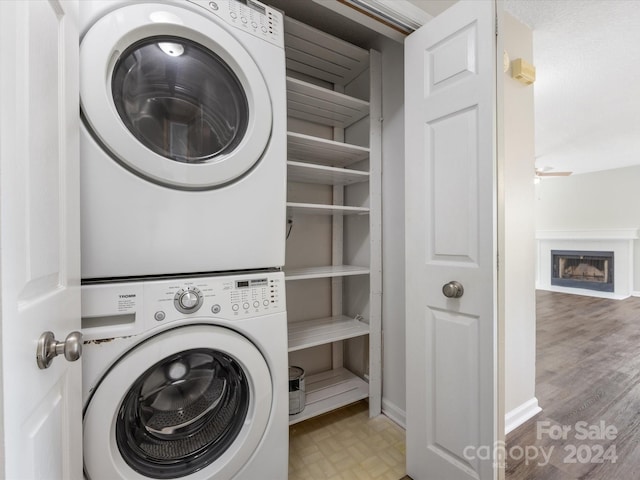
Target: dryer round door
point(191, 402)
point(173, 96)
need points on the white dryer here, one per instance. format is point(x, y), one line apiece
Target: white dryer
point(183, 139)
point(186, 378)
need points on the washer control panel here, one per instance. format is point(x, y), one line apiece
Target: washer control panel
point(251, 16)
point(229, 297)
point(124, 309)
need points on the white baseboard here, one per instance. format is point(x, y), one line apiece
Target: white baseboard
point(512, 419)
point(521, 414)
point(635, 293)
point(395, 413)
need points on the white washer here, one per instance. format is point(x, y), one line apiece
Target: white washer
point(186, 378)
point(183, 139)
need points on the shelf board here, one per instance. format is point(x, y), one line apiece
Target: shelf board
point(316, 150)
point(310, 333)
point(327, 391)
point(320, 55)
point(324, 272)
point(319, 174)
point(320, 105)
point(317, 209)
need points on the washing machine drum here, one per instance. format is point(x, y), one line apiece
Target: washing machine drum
point(173, 96)
point(195, 413)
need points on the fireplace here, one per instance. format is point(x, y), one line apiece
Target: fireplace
point(620, 241)
point(591, 270)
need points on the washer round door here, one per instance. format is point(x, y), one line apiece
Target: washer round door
point(173, 96)
point(191, 402)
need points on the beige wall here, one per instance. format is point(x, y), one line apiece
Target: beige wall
point(519, 231)
point(393, 261)
point(433, 7)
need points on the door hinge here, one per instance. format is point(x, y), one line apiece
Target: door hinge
point(496, 24)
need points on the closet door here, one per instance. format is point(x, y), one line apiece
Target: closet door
point(451, 231)
point(41, 422)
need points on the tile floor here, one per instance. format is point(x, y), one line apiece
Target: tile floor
point(347, 445)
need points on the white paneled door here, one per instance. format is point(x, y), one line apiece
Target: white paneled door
point(450, 105)
point(41, 419)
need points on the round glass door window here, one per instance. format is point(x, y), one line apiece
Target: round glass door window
point(182, 413)
point(179, 99)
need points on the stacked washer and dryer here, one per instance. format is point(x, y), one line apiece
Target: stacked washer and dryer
point(183, 187)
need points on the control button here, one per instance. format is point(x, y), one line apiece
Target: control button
point(233, 15)
point(245, 305)
point(215, 309)
point(266, 303)
point(244, 19)
point(264, 29)
point(235, 307)
point(254, 24)
point(213, 5)
point(256, 304)
point(159, 316)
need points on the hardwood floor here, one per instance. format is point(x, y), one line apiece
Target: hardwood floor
point(587, 383)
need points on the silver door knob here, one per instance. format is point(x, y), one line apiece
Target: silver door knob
point(453, 289)
point(49, 348)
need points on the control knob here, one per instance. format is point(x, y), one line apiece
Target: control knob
point(188, 300)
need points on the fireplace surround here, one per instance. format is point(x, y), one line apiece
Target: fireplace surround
point(619, 241)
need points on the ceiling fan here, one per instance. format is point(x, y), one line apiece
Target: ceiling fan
point(548, 172)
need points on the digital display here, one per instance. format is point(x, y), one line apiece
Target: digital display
point(257, 7)
point(258, 282)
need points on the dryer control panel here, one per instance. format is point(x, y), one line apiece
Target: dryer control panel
point(250, 16)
